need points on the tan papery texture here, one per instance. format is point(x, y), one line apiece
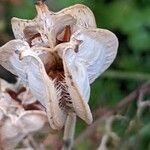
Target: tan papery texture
point(58, 55)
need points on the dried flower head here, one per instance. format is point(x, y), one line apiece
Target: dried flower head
point(58, 55)
point(16, 122)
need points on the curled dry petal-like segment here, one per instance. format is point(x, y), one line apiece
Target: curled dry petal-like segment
point(78, 85)
point(31, 70)
point(26, 29)
point(99, 54)
point(84, 16)
point(41, 32)
point(84, 62)
point(16, 123)
point(14, 129)
point(32, 120)
point(44, 29)
point(42, 86)
point(7, 52)
point(11, 61)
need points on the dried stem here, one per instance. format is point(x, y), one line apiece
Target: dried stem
point(123, 103)
point(109, 132)
point(141, 104)
point(69, 132)
point(126, 75)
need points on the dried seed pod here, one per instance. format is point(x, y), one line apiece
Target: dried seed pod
point(58, 55)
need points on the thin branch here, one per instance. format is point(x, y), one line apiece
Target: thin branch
point(126, 75)
point(69, 132)
point(123, 104)
point(141, 104)
point(109, 132)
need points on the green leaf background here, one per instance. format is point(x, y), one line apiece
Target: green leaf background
point(130, 21)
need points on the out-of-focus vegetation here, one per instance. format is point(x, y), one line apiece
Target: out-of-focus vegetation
point(130, 21)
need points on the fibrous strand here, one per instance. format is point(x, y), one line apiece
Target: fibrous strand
point(64, 97)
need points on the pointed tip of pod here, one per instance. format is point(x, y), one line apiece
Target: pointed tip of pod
point(40, 2)
point(88, 118)
point(41, 6)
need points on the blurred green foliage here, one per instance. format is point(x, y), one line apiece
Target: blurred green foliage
point(130, 21)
